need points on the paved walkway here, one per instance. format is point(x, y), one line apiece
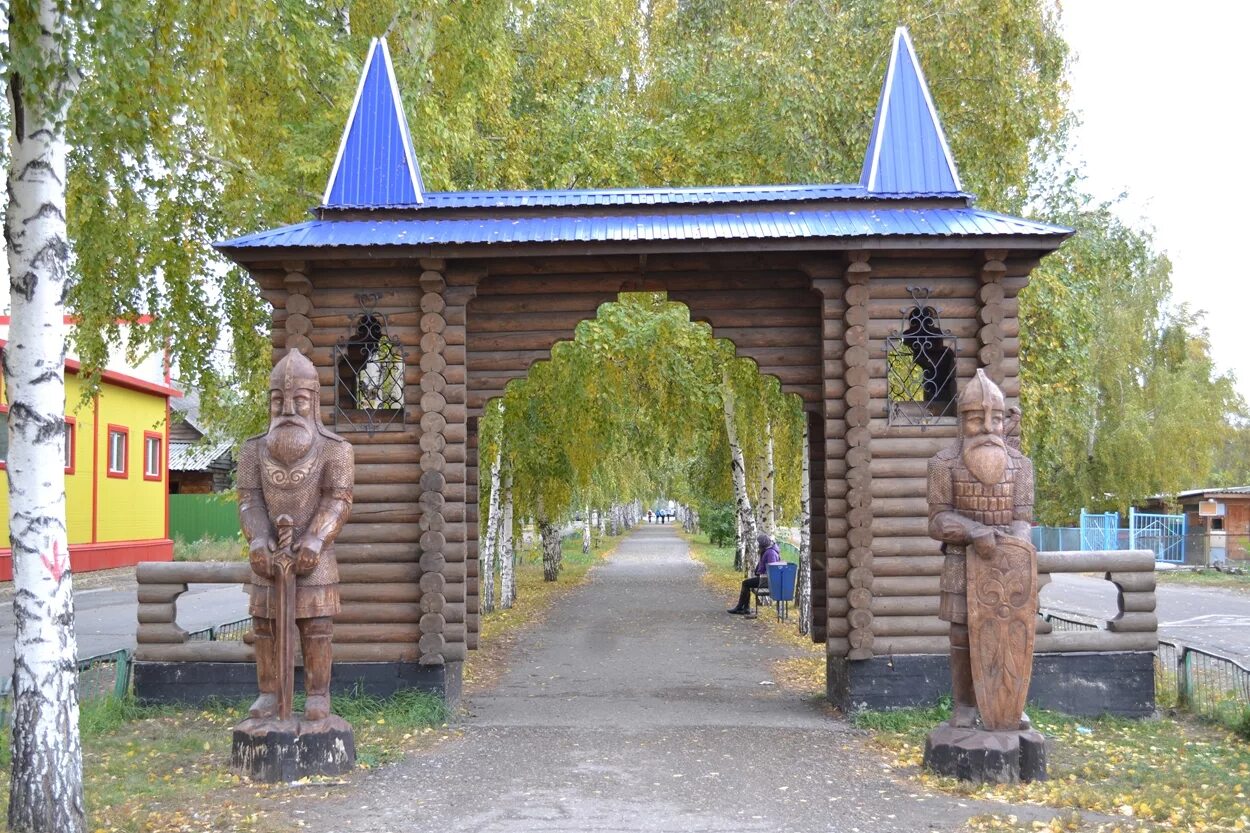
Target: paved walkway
point(640, 705)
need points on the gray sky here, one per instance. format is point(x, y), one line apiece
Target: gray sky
point(1158, 86)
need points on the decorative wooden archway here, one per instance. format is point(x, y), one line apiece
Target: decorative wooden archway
point(810, 282)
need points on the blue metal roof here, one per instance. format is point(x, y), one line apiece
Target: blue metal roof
point(907, 153)
point(743, 225)
point(909, 179)
point(702, 195)
point(375, 165)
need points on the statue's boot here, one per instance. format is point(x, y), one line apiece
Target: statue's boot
point(316, 635)
point(964, 714)
point(266, 704)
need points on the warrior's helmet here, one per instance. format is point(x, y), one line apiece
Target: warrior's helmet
point(981, 394)
point(295, 372)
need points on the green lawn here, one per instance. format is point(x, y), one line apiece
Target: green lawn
point(1205, 577)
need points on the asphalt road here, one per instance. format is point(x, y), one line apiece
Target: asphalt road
point(105, 617)
point(1204, 617)
point(639, 704)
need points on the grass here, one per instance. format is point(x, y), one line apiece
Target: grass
point(1140, 775)
point(210, 549)
point(165, 769)
point(804, 674)
point(160, 769)
point(1205, 577)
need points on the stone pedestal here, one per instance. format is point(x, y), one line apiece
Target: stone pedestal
point(276, 751)
point(983, 756)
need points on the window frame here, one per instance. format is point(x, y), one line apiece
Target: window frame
point(124, 433)
point(148, 436)
point(71, 445)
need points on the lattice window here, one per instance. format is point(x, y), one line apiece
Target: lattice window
point(920, 366)
point(369, 374)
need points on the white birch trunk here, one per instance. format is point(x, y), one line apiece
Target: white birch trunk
point(746, 552)
point(45, 792)
point(586, 535)
point(803, 582)
point(549, 534)
point(768, 508)
point(507, 570)
point(486, 559)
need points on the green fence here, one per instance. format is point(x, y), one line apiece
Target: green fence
point(193, 517)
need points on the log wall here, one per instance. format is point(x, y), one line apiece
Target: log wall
point(975, 297)
point(819, 324)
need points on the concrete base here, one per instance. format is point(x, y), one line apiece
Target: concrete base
point(986, 757)
point(194, 683)
point(1119, 683)
point(281, 751)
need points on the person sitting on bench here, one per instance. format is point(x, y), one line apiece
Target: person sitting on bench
point(769, 554)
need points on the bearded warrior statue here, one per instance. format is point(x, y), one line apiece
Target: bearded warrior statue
point(980, 508)
point(295, 482)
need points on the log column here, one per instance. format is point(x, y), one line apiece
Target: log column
point(434, 522)
point(828, 619)
point(299, 309)
point(442, 503)
point(819, 522)
point(460, 509)
point(859, 511)
point(991, 315)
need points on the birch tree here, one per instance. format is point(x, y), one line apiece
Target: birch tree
point(507, 564)
point(745, 554)
point(803, 581)
point(489, 551)
point(45, 792)
point(768, 475)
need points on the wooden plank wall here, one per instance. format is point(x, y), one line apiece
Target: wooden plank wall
point(383, 592)
point(976, 297)
point(472, 328)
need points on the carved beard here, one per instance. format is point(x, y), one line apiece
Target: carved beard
point(985, 456)
point(289, 440)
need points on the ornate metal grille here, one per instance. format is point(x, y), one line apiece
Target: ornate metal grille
point(920, 366)
point(369, 374)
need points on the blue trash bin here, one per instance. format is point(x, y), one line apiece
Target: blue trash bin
point(781, 578)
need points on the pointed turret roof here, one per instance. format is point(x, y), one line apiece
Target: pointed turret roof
point(908, 153)
point(375, 166)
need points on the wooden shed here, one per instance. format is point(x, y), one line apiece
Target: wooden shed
point(871, 301)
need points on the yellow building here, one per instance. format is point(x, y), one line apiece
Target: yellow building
point(116, 472)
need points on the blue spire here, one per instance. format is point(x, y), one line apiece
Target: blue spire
point(375, 166)
point(908, 153)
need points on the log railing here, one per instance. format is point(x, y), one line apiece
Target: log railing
point(1135, 626)
point(378, 622)
point(905, 603)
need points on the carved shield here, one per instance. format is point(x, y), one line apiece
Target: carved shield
point(1002, 608)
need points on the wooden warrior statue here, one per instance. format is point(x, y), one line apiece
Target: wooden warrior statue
point(295, 493)
point(980, 508)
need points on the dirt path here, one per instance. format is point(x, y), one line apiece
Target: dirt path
point(640, 705)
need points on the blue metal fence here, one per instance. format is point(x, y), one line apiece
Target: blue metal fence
point(1099, 530)
point(1165, 534)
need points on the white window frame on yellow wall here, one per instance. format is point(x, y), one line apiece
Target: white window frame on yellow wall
point(116, 432)
point(152, 456)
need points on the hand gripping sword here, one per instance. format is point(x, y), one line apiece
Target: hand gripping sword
point(284, 590)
